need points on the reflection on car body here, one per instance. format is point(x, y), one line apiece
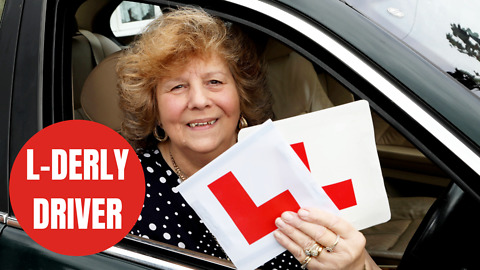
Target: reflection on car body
point(446, 34)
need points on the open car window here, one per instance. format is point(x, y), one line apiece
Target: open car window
point(299, 85)
point(316, 80)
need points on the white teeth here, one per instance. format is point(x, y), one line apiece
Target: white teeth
point(202, 124)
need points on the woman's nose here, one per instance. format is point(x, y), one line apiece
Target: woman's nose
point(198, 97)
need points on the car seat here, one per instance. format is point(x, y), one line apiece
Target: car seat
point(88, 50)
point(294, 84)
point(99, 97)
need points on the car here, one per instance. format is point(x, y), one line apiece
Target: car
point(423, 96)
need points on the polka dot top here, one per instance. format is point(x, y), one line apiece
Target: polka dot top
point(167, 217)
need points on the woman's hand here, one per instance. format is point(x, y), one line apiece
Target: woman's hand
point(312, 231)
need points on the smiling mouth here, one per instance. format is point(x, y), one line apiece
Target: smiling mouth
point(202, 123)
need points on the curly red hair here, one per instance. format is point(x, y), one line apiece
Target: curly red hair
point(166, 47)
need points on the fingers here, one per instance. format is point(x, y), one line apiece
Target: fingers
point(292, 239)
point(291, 246)
point(306, 233)
point(328, 220)
point(296, 250)
point(298, 242)
point(299, 232)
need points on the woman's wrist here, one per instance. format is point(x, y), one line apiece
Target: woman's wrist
point(369, 263)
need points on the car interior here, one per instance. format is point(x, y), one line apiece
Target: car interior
point(412, 181)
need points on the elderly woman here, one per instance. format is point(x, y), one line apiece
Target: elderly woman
point(187, 86)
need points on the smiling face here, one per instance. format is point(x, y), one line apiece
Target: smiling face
point(199, 107)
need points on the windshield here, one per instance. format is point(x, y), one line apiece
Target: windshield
point(443, 31)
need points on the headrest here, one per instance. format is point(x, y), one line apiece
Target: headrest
point(294, 83)
point(99, 97)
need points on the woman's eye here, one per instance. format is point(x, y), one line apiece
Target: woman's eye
point(177, 87)
point(214, 82)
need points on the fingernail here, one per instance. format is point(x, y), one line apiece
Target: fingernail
point(279, 222)
point(303, 213)
point(277, 234)
point(287, 216)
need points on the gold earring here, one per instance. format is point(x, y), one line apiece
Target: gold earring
point(160, 139)
point(242, 123)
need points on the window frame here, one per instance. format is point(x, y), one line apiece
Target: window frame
point(329, 62)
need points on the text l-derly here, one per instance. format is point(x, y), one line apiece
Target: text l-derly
point(94, 163)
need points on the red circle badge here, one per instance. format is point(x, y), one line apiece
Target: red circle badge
point(77, 187)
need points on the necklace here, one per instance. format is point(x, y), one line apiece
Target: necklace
point(176, 168)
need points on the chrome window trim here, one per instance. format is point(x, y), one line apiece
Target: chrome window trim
point(144, 259)
point(13, 222)
point(3, 217)
point(125, 253)
point(185, 253)
point(367, 72)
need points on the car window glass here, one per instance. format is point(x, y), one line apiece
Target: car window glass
point(130, 18)
point(2, 4)
point(445, 32)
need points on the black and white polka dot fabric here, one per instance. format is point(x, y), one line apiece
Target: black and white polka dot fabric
point(167, 217)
